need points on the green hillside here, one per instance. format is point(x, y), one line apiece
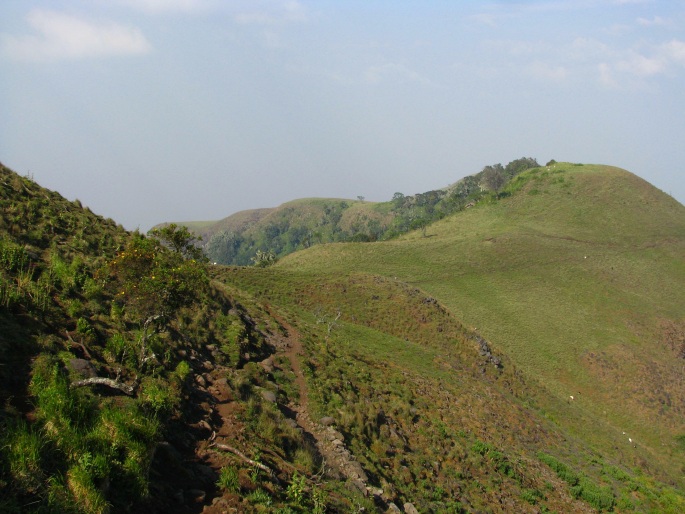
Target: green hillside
point(579, 278)
point(432, 372)
point(306, 222)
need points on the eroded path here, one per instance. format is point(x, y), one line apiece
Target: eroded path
point(338, 462)
point(218, 424)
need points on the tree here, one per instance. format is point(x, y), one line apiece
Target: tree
point(180, 240)
point(420, 223)
point(223, 247)
point(151, 280)
point(398, 200)
point(519, 166)
point(493, 178)
point(264, 259)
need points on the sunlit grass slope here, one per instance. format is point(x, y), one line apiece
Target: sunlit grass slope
point(575, 274)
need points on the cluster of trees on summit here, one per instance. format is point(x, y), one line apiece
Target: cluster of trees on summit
point(289, 231)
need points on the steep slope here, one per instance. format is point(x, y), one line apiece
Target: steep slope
point(579, 277)
point(128, 380)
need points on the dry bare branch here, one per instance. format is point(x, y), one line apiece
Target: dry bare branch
point(125, 388)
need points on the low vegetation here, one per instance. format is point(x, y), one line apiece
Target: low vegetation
point(138, 376)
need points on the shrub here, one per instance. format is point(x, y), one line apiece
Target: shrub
point(13, 257)
point(562, 471)
point(304, 459)
point(182, 371)
point(319, 500)
point(115, 348)
point(83, 327)
point(228, 479)
point(296, 489)
point(157, 396)
point(85, 493)
point(23, 453)
point(532, 496)
point(482, 448)
point(260, 497)
point(601, 498)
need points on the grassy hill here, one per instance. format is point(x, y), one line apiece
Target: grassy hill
point(432, 372)
point(579, 278)
point(305, 222)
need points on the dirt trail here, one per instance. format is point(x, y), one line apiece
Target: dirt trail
point(339, 463)
point(216, 424)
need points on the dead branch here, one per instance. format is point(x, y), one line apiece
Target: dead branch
point(125, 388)
point(245, 458)
point(86, 353)
point(144, 339)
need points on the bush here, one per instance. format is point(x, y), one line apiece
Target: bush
point(228, 479)
point(532, 496)
point(601, 498)
point(260, 497)
point(581, 486)
point(157, 396)
point(182, 371)
point(296, 489)
point(482, 448)
point(562, 471)
point(24, 448)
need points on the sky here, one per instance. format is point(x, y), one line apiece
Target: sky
point(185, 110)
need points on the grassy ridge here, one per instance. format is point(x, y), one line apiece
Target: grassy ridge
point(571, 275)
point(376, 344)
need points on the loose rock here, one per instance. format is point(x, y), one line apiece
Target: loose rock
point(410, 509)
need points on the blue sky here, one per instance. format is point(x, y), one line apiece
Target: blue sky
point(178, 110)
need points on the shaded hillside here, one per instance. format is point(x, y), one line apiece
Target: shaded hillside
point(578, 276)
point(302, 223)
point(121, 362)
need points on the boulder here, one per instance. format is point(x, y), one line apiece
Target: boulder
point(269, 396)
point(267, 365)
point(410, 509)
point(327, 421)
point(83, 368)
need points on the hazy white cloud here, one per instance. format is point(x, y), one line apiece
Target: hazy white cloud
point(547, 71)
point(394, 72)
point(656, 60)
point(63, 36)
point(656, 21)
point(606, 77)
point(168, 6)
point(674, 51)
point(272, 13)
point(488, 19)
point(641, 65)
point(589, 49)
point(619, 29)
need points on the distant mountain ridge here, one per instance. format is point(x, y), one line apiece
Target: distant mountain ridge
point(302, 223)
